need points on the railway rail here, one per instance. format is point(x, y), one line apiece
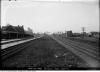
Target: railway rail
point(89, 54)
point(44, 52)
point(94, 52)
point(76, 54)
point(7, 52)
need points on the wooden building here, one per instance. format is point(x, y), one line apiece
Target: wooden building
point(12, 32)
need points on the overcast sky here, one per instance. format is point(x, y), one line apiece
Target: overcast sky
point(52, 16)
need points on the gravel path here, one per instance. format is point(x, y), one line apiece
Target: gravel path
point(44, 52)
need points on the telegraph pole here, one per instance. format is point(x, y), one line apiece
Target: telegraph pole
point(83, 30)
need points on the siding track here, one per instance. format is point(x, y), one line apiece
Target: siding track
point(88, 53)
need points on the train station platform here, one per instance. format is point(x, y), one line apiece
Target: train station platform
point(19, 41)
point(5, 41)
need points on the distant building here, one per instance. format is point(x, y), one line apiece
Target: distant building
point(69, 33)
point(76, 34)
point(13, 32)
point(9, 31)
point(13, 29)
point(95, 34)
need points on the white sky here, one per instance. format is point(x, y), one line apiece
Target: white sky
point(52, 16)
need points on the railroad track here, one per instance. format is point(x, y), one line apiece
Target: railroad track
point(8, 52)
point(95, 48)
point(86, 52)
point(84, 48)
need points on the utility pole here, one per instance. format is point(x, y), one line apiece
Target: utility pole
point(83, 30)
